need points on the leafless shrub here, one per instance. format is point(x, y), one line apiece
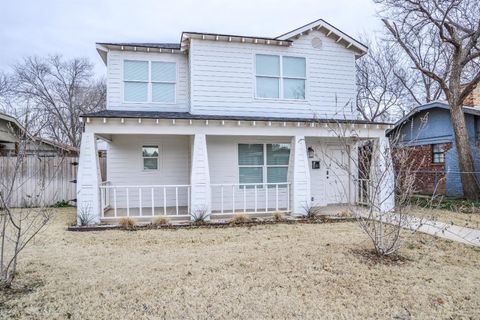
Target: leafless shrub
point(18, 226)
point(127, 223)
point(84, 215)
point(278, 216)
point(200, 215)
point(240, 218)
point(312, 211)
point(161, 221)
point(387, 180)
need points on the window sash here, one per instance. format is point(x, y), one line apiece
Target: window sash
point(285, 79)
point(269, 167)
point(438, 153)
point(149, 153)
point(160, 82)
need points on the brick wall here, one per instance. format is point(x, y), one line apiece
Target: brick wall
point(473, 99)
point(429, 177)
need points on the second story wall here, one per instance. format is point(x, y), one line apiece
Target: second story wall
point(223, 79)
point(116, 84)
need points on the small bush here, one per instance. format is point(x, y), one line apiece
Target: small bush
point(84, 217)
point(161, 221)
point(311, 211)
point(278, 216)
point(62, 204)
point(127, 223)
point(240, 218)
point(200, 215)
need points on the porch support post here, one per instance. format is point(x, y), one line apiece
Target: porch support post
point(353, 173)
point(299, 176)
point(88, 179)
point(200, 176)
point(384, 176)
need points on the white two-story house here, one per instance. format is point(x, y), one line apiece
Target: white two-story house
point(225, 124)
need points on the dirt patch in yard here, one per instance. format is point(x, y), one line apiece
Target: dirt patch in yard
point(268, 271)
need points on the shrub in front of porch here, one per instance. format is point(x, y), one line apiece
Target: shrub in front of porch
point(127, 223)
point(240, 218)
point(161, 221)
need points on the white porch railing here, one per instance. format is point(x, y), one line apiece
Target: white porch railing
point(250, 198)
point(144, 200)
point(363, 191)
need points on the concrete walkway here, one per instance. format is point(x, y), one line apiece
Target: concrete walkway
point(443, 230)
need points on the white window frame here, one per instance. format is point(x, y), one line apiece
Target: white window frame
point(157, 157)
point(280, 78)
point(150, 82)
point(265, 166)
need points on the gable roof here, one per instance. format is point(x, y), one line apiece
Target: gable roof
point(285, 39)
point(432, 105)
point(329, 29)
point(58, 145)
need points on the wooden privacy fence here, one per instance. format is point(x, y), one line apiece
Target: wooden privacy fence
point(42, 180)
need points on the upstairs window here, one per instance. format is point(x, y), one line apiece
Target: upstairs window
point(280, 77)
point(149, 81)
point(150, 157)
point(438, 153)
point(135, 76)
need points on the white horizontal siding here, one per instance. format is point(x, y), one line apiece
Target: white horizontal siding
point(115, 81)
point(125, 166)
point(223, 79)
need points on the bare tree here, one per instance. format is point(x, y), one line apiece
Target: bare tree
point(381, 93)
point(452, 27)
point(385, 182)
point(59, 91)
point(18, 226)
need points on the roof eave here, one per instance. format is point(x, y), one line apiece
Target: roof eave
point(328, 29)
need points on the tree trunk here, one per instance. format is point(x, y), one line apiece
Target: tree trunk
point(471, 189)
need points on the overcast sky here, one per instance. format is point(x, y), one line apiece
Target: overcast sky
point(71, 28)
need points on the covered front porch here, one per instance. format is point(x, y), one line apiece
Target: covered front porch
point(166, 173)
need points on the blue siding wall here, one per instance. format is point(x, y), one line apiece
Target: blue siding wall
point(434, 126)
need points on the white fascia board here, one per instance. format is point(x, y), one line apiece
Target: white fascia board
point(231, 128)
point(320, 23)
point(102, 51)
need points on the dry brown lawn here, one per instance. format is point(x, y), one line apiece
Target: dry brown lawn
point(275, 271)
point(471, 220)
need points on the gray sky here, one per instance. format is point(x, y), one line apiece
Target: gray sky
point(71, 27)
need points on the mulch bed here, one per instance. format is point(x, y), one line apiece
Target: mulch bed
point(210, 224)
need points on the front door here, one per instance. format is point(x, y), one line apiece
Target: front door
point(336, 175)
point(328, 175)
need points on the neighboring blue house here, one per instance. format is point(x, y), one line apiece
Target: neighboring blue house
point(428, 130)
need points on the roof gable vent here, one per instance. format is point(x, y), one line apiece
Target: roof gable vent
point(317, 43)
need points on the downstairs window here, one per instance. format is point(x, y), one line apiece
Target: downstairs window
point(263, 163)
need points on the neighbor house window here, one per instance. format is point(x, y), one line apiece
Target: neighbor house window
point(149, 81)
point(438, 153)
point(150, 157)
point(280, 77)
point(263, 163)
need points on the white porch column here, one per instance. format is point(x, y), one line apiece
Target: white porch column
point(88, 179)
point(299, 176)
point(353, 173)
point(383, 175)
point(200, 176)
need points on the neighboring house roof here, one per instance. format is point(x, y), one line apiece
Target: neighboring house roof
point(282, 40)
point(432, 105)
point(14, 121)
point(189, 116)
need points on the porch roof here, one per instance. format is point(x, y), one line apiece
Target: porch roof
point(189, 116)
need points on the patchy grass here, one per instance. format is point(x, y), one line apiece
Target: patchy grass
point(471, 220)
point(455, 205)
point(271, 271)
